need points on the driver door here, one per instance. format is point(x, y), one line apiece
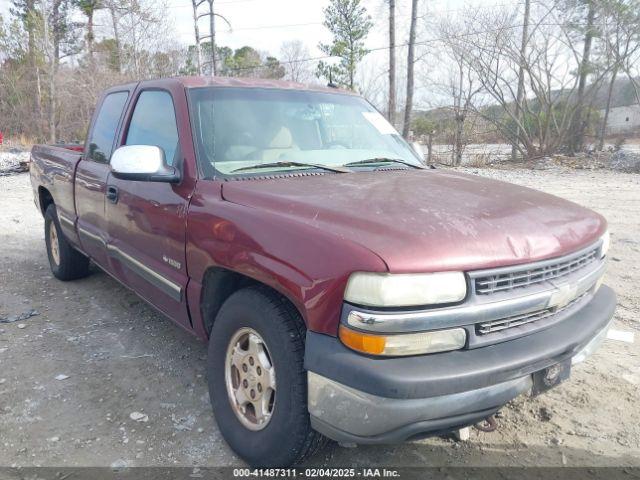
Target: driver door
point(146, 220)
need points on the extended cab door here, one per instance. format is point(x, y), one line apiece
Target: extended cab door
point(147, 220)
point(92, 172)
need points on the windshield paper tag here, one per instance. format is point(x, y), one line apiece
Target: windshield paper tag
point(381, 124)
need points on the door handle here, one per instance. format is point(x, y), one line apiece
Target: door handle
point(112, 194)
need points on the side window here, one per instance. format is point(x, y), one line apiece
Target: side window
point(104, 128)
point(154, 123)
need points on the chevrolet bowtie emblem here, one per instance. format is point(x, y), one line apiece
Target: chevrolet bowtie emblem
point(563, 295)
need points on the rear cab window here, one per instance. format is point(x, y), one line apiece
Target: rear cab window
point(104, 128)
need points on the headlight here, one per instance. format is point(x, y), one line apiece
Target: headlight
point(404, 343)
point(405, 290)
point(606, 240)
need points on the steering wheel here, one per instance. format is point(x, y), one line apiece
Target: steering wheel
point(336, 143)
point(253, 154)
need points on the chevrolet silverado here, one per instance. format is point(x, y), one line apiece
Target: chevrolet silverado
point(346, 291)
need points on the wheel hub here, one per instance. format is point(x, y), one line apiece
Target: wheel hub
point(250, 379)
point(53, 244)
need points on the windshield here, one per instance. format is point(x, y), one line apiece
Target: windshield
point(241, 131)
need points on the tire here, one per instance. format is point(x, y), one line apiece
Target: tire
point(287, 438)
point(65, 261)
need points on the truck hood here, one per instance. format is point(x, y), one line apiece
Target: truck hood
point(428, 220)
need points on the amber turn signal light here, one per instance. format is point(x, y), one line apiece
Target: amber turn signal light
point(403, 344)
point(362, 342)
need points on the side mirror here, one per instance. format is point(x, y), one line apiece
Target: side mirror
point(144, 163)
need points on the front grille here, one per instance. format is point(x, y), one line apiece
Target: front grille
point(485, 328)
point(524, 277)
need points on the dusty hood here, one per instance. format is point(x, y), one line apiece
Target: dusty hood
point(428, 220)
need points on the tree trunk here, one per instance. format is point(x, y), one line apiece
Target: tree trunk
point(90, 36)
point(577, 138)
point(41, 127)
point(196, 30)
point(459, 118)
point(116, 37)
point(352, 68)
point(56, 27)
point(53, 104)
point(406, 128)
point(520, 92)
point(30, 12)
point(212, 28)
point(605, 119)
point(352, 65)
point(50, 52)
point(429, 148)
point(458, 140)
point(392, 62)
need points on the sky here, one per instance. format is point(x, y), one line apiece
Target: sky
point(266, 24)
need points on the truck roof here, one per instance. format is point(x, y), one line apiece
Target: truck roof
point(242, 82)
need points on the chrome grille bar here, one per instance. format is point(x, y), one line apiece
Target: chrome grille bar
point(484, 328)
point(514, 278)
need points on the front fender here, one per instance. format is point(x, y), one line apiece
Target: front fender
point(307, 265)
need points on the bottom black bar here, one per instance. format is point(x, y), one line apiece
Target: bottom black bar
point(418, 473)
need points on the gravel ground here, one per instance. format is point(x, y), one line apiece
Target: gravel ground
point(11, 158)
point(93, 353)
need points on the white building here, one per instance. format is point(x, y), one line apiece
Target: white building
point(623, 119)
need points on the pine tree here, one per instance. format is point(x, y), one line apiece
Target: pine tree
point(350, 24)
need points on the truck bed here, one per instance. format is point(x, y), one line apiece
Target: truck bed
point(52, 173)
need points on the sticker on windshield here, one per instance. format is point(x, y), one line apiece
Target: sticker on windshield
point(381, 124)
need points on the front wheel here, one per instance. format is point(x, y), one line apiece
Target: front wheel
point(257, 381)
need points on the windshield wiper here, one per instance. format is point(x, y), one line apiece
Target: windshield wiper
point(383, 160)
point(341, 169)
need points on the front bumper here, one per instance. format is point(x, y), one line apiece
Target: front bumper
point(359, 399)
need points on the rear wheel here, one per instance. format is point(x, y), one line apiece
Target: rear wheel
point(65, 261)
point(257, 381)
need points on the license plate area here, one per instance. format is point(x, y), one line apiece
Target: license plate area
point(550, 377)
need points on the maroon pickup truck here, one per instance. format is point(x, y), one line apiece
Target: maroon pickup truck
point(346, 290)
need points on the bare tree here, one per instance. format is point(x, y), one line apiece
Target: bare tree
point(370, 81)
point(115, 12)
point(520, 92)
point(26, 12)
point(211, 14)
point(392, 107)
point(143, 31)
point(548, 107)
point(630, 26)
point(294, 56)
point(406, 128)
point(196, 31)
point(620, 33)
point(579, 123)
point(52, 66)
point(459, 85)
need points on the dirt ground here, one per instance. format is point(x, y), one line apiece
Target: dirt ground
point(121, 357)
